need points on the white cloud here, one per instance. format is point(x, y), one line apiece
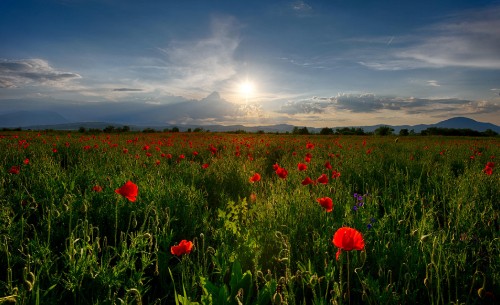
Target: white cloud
point(433, 83)
point(470, 39)
point(202, 65)
point(370, 103)
point(17, 73)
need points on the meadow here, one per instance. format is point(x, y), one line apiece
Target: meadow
point(211, 218)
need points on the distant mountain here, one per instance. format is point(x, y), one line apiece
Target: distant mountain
point(164, 116)
point(462, 122)
point(27, 118)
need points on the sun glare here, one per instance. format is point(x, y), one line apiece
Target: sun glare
point(246, 88)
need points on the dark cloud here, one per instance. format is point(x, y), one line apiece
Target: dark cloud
point(15, 73)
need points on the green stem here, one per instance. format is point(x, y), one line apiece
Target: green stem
point(348, 279)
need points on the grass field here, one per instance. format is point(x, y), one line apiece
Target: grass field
point(427, 209)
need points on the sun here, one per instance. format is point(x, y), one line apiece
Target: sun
point(247, 88)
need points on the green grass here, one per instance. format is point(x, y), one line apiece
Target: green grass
point(429, 217)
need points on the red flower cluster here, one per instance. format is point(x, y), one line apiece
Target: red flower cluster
point(488, 169)
point(129, 190)
point(184, 247)
point(15, 170)
point(348, 239)
point(280, 171)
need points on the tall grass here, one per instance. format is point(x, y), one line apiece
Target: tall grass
point(427, 211)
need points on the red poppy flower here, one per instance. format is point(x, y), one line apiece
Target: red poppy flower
point(328, 165)
point(97, 188)
point(205, 165)
point(490, 164)
point(282, 173)
point(301, 166)
point(255, 178)
point(26, 161)
point(276, 166)
point(348, 239)
point(308, 181)
point(323, 179)
point(309, 145)
point(307, 159)
point(488, 171)
point(184, 247)
point(335, 174)
point(129, 190)
point(15, 170)
point(326, 202)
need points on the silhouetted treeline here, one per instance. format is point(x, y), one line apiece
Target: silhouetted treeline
point(437, 131)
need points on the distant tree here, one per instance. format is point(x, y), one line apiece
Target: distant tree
point(82, 129)
point(175, 129)
point(109, 129)
point(198, 129)
point(302, 131)
point(260, 131)
point(384, 131)
point(326, 131)
point(404, 132)
point(125, 128)
point(412, 132)
point(490, 133)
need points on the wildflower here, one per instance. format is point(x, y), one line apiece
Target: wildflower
point(307, 181)
point(335, 174)
point(328, 165)
point(326, 202)
point(184, 247)
point(310, 145)
point(205, 166)
point(323, 179)
point(301, 167)
point(97, 188)
point(14, 170)
point(282, 173)
point(254, 178)
point(348, 239)
point(26, 161)
point(488, 169)
point(129, 190)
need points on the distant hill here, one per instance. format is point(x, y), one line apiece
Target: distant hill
point(54, 120)
point(27, 118)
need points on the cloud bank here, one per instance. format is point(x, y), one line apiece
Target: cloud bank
point(16, 73)
point(469, 39)
point(370, 103)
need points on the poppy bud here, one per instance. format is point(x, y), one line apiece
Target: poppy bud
point(481, 292)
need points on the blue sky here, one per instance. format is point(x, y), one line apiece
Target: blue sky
point(306, 63)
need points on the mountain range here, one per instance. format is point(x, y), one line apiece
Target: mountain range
point(172, 111)
point(39, 120)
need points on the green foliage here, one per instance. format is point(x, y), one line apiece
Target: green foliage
point(426, 207)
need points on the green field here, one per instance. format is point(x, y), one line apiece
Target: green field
point(427, 208)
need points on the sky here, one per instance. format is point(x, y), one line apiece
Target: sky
point(306, 63)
